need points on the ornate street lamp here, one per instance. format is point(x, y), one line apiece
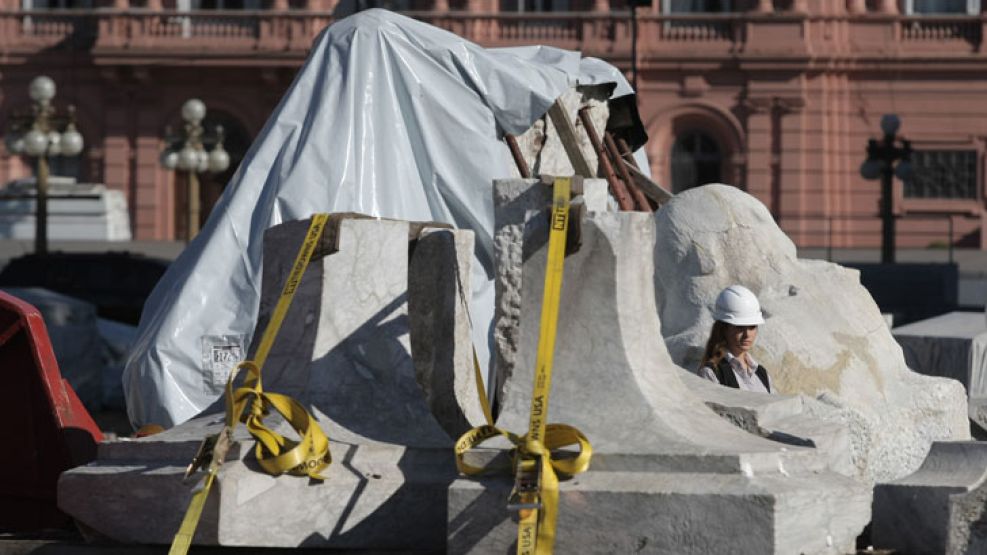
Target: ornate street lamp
point(880, 163)
point(37, 135)
point(187, 152)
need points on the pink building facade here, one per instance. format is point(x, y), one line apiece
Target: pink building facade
point(777, 97)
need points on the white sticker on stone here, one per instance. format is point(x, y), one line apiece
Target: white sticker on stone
point(220, 354)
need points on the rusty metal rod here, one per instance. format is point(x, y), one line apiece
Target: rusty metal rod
point(522, 165)
point(642, 202)
point(617, 188)
point(625, 151)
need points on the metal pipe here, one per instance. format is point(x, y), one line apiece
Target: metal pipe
point(193, 205)
point(617, 188)
point(41, 206)
point(625, 151)
point(639, 198)
point(950, 242)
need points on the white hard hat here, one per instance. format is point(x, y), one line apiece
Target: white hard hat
point(738, 306)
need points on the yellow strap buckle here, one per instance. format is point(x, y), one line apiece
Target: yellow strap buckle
point(213, 449)
point(202, 457)
point(526, 494)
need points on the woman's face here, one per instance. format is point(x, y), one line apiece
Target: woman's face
point(740, 339)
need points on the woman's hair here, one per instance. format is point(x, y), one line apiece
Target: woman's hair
point(716, 345)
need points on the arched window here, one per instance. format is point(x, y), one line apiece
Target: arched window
point(696, 160)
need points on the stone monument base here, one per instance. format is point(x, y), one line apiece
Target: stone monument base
point(375, 496)
point(671, 512)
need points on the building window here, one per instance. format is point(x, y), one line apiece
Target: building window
point(942, 7)
point(535, 6)
point(716, 28)
point(949, 174)
point(187, 5)
point(28, 5)
point(696, 6)
point(696, 160)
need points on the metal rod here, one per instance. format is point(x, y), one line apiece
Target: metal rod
point(625, 151)
point(617, 188)
point(639, 198)
point(41, 206)
point(193, 205)
point(522, 165)
point(829, 239)
point(950, 242)
point(887, 214)
point(634, 46)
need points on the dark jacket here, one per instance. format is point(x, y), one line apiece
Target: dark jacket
point(724, 373)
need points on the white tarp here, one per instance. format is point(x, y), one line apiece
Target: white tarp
point(389, 117)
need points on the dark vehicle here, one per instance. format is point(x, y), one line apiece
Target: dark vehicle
point(118, 283)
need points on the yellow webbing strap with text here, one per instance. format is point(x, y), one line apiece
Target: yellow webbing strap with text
point(533, 451)
point(276, 454)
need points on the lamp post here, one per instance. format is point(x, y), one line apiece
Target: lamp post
point(634, 5)
point(880, 163)
point(37, 135)
point(187, 152)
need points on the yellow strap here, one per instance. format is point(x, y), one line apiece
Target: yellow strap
point(183, 539)
point(276, 454)
point(549, 310)
point(536, 528)
point(315, 230)
point(482, 391)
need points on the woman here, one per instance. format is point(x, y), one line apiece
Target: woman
point(727, 359)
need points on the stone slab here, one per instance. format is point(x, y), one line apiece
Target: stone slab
point(952, 345)
point(375, 497)
point(941, 508)
point(790, 419)
point(671, 512)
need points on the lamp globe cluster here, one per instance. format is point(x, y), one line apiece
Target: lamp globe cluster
point(191, 155)
point(43, 137)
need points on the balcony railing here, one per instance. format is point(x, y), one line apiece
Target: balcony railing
point(218, 33)
point(938, 29)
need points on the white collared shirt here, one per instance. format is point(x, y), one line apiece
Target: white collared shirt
point(747, 380)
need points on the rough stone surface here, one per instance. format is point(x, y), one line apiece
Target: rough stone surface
point(952, 345)
point(668, 475)
point(438, 309)
point(540, 144)
point(941, 508)
point(978, 417)
point(823, 337)
point(791, 419)
point(343, 352)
